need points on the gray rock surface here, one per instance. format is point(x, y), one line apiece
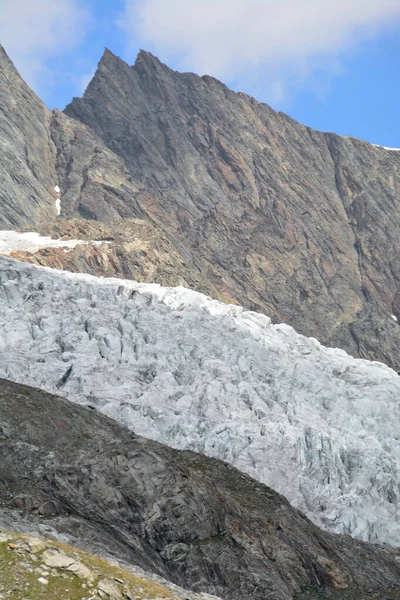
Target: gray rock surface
point(190, 519)
point(94, 182)
point(27, 153)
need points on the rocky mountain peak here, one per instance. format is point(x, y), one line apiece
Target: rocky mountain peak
point(146, 59)
point(110, 71)
point(115, 74)
point(292, 222)
point(284, 219)
point(109, 56)
point(110, 61)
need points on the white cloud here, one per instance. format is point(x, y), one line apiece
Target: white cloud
point(34, 31)
point(279, 38)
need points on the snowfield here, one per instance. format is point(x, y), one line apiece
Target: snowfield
point(386, 148)
point(13, 241)
point(173, 365)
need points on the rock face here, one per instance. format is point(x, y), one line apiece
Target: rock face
point(94, 182)
point(315, 424)
point(193, 520)
point(27, 164)
point(396, 305)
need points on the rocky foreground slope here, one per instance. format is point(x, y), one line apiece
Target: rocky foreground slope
point(298, 224)
point(40, 569)
point(313, 423)
point(190, 519)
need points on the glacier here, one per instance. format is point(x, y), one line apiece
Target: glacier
point(173, 365)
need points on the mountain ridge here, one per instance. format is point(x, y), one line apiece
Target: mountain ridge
point(27, 168)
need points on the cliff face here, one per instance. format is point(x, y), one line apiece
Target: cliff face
point(299, 224)
point(94, 182)
point(190, 519)
point(296, 223)
point(27, 153)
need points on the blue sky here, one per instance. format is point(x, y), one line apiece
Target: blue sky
point(332, 66)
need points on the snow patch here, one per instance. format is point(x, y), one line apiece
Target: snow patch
point(395, 318)
point(312, 422)
point(387, 148)
point(58, 200)
point(13, 241)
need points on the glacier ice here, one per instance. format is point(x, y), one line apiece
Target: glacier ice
point(319, 426)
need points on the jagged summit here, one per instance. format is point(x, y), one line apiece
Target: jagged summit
point(145, 57)
point(109, 59)
point(145, 62)
point(4, 58)
point(109, 55)
point(283, 218)
point(114, 76)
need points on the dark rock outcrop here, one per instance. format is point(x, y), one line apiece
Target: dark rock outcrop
point(193, 520)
